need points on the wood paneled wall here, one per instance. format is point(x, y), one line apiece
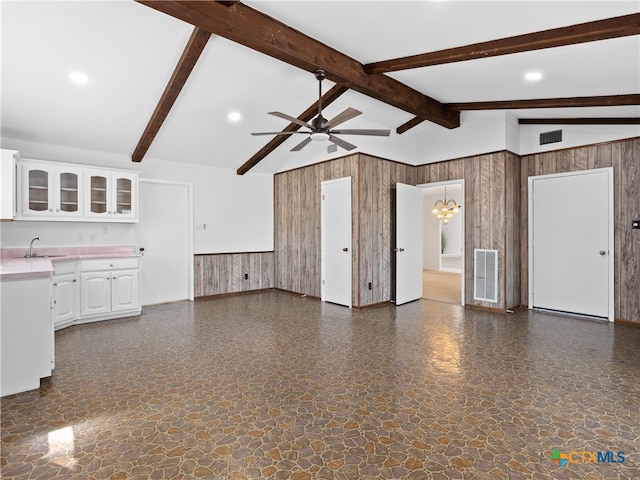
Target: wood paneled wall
point(624, 157)
point(222, 273)
point(376, 217)
point(496, 209)
point(297, 225)
point(492, 183)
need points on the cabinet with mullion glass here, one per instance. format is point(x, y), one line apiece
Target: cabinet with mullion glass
point(112, 195)
point(50, 190)
point(59, 191)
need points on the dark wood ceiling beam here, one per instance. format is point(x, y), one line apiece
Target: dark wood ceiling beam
point(598, 101)
point(306, 116)
point(409, 125)
point(253, 29)
point(581, 121)
point(190, 56)
point(557, 37)
point(574, 102)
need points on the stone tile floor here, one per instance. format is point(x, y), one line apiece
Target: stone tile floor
point(272, 385)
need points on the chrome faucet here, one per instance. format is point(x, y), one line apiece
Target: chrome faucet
point(30, 253)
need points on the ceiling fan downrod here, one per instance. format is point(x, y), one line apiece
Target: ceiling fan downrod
point(320, 75)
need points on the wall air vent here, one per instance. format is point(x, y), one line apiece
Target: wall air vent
point(551, 137)
point(485, 275)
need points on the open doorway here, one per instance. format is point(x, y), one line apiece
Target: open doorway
point(443, 245)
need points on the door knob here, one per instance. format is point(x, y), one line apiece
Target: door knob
point(345, 249)
point(602, 252)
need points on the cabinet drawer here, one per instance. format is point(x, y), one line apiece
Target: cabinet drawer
point(108, 264)
point(60, 267)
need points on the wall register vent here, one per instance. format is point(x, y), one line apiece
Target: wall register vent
point(485, 275)
point(551, 137)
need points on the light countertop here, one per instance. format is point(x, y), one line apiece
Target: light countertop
point(13, 264)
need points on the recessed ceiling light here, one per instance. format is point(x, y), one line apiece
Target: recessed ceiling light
point(79, 78)
point(234, 117)
point(532, 76)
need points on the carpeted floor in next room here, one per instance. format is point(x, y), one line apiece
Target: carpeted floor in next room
point(272, 385)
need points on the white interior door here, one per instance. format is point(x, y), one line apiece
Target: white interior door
point(165, 232)
point(336, 241)
point(408, 243)
point(571, 242)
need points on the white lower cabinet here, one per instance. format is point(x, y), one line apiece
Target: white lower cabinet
point(26, 343)
point(109, 288)
point(65, 291)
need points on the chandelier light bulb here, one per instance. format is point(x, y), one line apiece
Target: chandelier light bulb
point(445, 209)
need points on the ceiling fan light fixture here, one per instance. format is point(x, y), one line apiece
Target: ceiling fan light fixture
point(319, 136)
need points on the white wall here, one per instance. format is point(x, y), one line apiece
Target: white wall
point(492, 131)
point(453, 233)
point(18, 234)
point(431, 231)
point(479, 132)
point(572, 136)
point(237, 210)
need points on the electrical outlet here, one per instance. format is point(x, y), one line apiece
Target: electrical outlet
point(246, 276)
point(370, 286)
point(635, 224)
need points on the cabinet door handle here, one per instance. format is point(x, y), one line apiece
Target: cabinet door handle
point(55, 284)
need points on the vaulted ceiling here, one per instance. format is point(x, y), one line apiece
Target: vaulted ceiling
point(163, 76)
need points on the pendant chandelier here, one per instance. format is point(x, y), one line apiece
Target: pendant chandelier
point(445, 209)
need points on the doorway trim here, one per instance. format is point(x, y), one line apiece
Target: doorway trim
point(610, 226)
point(323, 240)
point(462, 214)
point(190, 239)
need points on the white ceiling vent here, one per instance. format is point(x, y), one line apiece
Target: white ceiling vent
point(551, 137)
point(485, 275)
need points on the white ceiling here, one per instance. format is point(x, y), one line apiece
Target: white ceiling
point(129, 51)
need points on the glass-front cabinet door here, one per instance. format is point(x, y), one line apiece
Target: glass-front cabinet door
point(51, 191)
point(111, 195)
point(125, 195)
point(99, 186)
point(37, 190)
point(60, 191)
point(68, 198)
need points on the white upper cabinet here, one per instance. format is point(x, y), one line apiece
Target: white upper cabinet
point(50, 190)
point(111, 195)
point(56, 191)
point(8, 184)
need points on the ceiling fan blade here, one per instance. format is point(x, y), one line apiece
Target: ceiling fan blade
point(357, 131)
point(341, 143)
point(276, 133)
point(291, 119)
point(301, 145)
point(348, 114)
